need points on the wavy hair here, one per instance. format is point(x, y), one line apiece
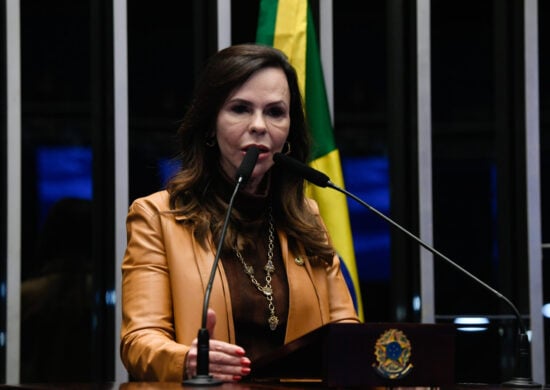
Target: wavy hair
point(191, 196)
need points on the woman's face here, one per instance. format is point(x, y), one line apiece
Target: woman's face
point(255, 114)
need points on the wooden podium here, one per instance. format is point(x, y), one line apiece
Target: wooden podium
point(372, 354)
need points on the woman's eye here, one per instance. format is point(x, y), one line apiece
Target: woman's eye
point(276, 112)
point(239, 108)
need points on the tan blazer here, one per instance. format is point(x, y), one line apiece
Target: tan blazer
point(164, 273)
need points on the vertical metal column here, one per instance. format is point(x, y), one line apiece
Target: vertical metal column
point(13, 267)
point(424, 111)
point(326, 45)
point(224, 23)
point(533, 190)
point(120, 60)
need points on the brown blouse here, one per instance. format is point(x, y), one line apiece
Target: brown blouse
point(250, 306)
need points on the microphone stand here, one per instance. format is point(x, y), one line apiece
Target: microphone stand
point(523, 364)
point(203, 377)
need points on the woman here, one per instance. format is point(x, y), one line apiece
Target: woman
point(278, 276)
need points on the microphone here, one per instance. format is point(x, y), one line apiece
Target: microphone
point(523, 365)
point(203, 377)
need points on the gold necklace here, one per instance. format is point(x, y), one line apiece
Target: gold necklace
point(269, 268)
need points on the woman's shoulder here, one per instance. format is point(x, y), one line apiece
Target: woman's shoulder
point(157, 201)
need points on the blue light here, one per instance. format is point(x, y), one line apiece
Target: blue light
point(62, 172)
point(417, 303)
point(167, 169)
point(110, 297)
point(368, 178)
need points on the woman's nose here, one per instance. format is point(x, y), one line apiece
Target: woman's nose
point(258, 123)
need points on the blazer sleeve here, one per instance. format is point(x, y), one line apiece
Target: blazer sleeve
point(148, 348)
point(341, 308)
point(340, 301)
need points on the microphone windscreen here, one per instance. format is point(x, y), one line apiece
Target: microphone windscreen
point(247, 165)
point(305, 171)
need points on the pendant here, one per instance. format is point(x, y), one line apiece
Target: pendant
point(273, 322)
point(269, 267)
point(267, 291)
point(248, 269)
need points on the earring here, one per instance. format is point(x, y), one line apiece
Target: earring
point(210, 142)
point(287, 147)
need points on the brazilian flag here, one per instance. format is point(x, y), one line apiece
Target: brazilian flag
point(288, 26)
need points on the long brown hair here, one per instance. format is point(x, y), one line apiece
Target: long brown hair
point(192, 197)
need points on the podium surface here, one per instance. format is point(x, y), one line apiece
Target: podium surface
point(225, 386)
point(372, 354)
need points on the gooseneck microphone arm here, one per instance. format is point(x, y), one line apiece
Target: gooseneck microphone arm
point(203, 377)
point(523, 367)
point(432, 250)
